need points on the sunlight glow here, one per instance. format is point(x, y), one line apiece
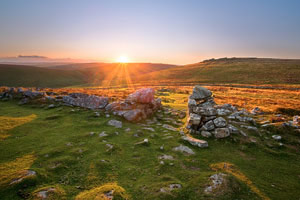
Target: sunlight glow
point(122, 59)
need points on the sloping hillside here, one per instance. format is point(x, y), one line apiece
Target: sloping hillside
point(28, 76)
point(233, 70)
point(89, 74)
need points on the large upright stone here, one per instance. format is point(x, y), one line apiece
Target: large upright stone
point(144, 95)
point(200, 93)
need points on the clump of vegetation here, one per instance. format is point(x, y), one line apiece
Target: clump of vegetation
point(7, 123)
point(102, 193)
point(231, 169)
point(49, 192)
point(14, 170)
point(288, 111)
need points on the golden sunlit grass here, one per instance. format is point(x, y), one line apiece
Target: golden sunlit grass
point(16, 169)
point(98, 193)
point(231, 169)
point(54, 192)
point(7, 123)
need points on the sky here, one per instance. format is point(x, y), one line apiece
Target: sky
point(160, 31)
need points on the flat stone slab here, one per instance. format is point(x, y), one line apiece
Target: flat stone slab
point(195, 142)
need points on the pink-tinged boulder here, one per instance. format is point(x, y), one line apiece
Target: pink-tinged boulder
point(144, 95)
point(134, 115)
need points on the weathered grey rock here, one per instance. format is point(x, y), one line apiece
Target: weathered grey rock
point(195, 142)
point(175, 186)
point(149, 129)
point(192, 102)
point(103, 134)
point(209, 126)
point(33, 94)
point(221, 132)
point(251, 128)
point(217, 180)
point(220, 122)
point(169, 127)
point(166, 157)
point(85, 100)
point(200, 93)
point(115, 123)
point(233, 129)
point(28, 173)
point(256, 111)
point(205, 111)
point(223, 112)
point(184, 149)
point(194, 119)
point(296, 120)
point(145, 141)
point(43, 194)
point(276, 137)
point(206, 134)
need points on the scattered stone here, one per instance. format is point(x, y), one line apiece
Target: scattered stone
point(251, 128)
point(206, 134)
point(243, 133)
point(166, 157)
point(110, 146)
point(184, 149)
point(103, 134)
point(27, 174)
point(169, 127)
point(92, 133)
point(115, 123)
point(217, 180)
point(127, 129)
point(145, 141)
point(85, 100)
point(97, 114)
point(233, 129)
point(276, 137)
point(51, 106)
point(149, 129)
point(256, 111)
point(296, 120)
point(195, 142)
point(161, 147)
point(175, 186)
point(107, 115)
point(221, 132)
point(69, 144)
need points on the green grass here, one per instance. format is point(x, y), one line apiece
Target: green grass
point(79, 167)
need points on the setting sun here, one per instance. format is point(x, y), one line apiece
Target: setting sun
point(122, 59)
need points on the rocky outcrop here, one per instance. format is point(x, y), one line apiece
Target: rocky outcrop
point(85, 100)
point(137, 106)
point(207, 119)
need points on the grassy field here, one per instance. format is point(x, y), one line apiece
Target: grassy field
point(57, 144)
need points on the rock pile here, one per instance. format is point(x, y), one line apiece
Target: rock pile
point(137, 106)
point(207, 118)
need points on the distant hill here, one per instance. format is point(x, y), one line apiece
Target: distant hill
point(29, 76)
point(75, 74)
point(231, 70)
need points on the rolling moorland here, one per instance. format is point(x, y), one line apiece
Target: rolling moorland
point(66, 148)
point(253, 71)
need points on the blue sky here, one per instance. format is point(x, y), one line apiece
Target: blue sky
point(168, 31)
